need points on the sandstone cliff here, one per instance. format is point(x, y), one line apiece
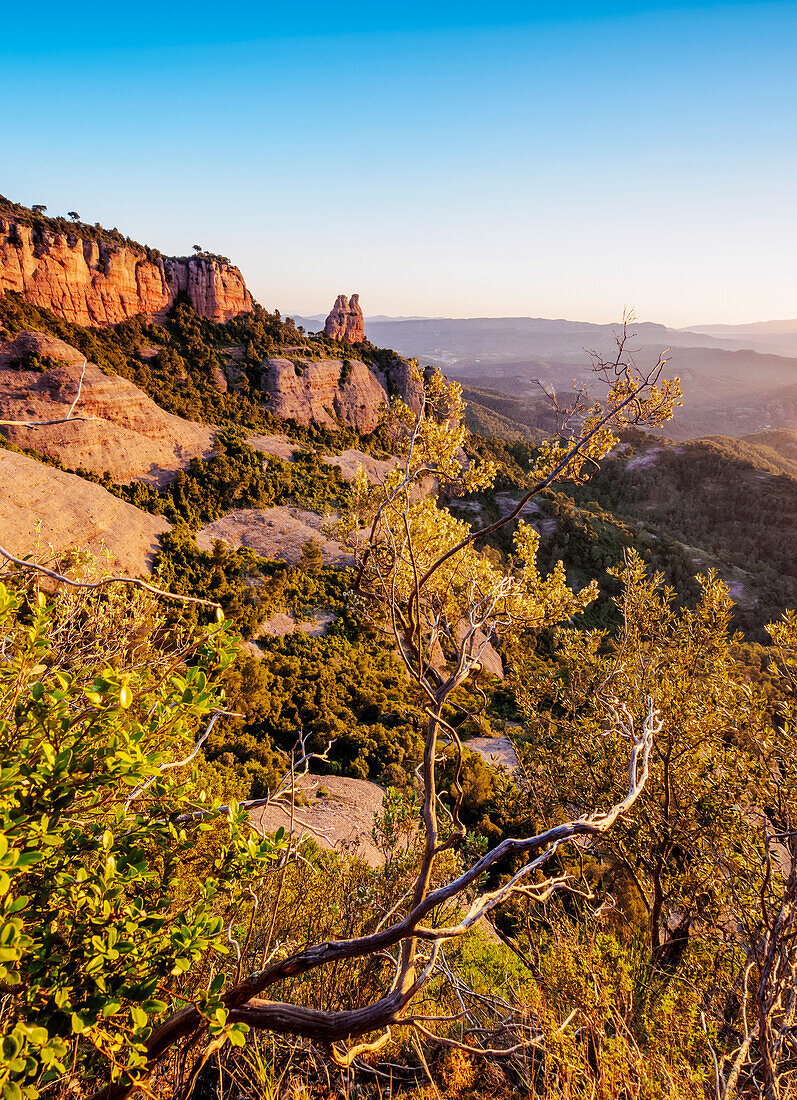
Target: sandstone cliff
point(43, 508)
point(333, 390)
point(101, 282)
point(345, 321)
point(132, 437)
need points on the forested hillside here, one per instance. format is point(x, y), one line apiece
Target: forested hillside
point(608, 916)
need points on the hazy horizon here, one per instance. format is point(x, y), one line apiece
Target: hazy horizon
point(322, 313)
point(537, 160)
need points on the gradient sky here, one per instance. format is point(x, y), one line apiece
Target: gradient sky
point(551, 159)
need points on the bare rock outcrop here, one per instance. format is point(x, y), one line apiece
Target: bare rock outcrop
point(334, 810)
point(333, 391)
point(91, 282)
point(325, 391)
point(132, 437)
point(376, 469)
point(345, 321)
point(278, 533)
point(41, 507)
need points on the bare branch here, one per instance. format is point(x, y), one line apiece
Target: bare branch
point(61, 420)
point(134, 581)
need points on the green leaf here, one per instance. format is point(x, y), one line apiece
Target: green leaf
point(25, 859)
point(11, 1047)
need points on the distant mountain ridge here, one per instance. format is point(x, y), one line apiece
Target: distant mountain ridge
point(730, 386)
point(778, 337)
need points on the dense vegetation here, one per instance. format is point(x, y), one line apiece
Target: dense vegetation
point(132, 892)
point(40, 223)
point(723, 511)
point(719, 503)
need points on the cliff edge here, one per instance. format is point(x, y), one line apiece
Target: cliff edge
point(94, 278)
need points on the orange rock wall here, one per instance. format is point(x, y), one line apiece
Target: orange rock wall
point(96, 284)
point(314, 392)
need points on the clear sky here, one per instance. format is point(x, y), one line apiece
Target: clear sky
point(545, 159)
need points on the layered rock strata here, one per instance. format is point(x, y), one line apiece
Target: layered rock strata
point(324, 392)
point(92, 283)
point(345, 321)
point(128, 435)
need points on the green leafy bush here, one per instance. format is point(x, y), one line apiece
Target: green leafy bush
point(115, 868)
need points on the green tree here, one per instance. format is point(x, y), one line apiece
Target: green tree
point(311, 560)
point(703, 765)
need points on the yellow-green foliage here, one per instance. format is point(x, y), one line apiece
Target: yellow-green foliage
point(113, 865)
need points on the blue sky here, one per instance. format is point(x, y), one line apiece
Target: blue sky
point(457, 159)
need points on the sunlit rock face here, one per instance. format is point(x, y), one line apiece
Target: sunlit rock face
point(325, 392)
point(337, 391)
point(345, 321)
point(117, 427)
point(98, 283)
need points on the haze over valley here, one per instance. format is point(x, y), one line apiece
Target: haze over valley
point(736, 379)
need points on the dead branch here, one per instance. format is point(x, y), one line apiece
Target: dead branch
point(134, 581)
point(61, 420)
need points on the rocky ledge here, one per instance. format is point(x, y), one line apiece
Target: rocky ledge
point(127, 434)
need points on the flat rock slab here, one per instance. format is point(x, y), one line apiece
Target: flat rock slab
point(285, 622)
point(507, 503)
point(43, 508)
point(377, 469)
point(277, 533)
point(126, 433)
point(339, 813)
point(281, 446)
point(497, 751)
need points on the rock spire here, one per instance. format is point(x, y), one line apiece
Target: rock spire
point(345, 321)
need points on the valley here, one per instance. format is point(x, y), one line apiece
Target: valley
point(735, 381)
